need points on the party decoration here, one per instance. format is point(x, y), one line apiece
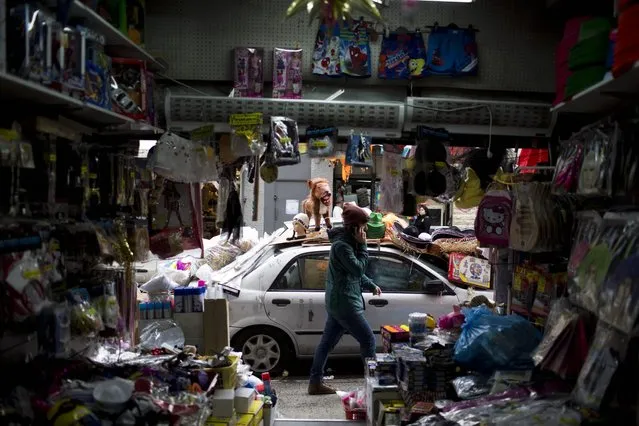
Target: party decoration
point(332, 10)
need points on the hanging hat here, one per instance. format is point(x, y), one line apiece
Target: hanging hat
point(269, 173)
point(353, 215)
point(376, 227)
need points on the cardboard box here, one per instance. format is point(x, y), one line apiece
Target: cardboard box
point(244, 398)
point(223, 403)
point(221, 421)
point(216, 329)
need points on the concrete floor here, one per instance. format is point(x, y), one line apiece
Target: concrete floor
point(295, 403)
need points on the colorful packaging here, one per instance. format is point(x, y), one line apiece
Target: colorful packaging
point(321, 141)
point(452, 51)
point(469, 270)
point(73, 61)
point(326, 54)
point(355, 51)
point(129, 93)
point(249, 72)
point(358, 152)
point(287, 73)
point(403, 56)
point(98, 71)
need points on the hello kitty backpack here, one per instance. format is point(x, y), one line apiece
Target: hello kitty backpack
point(492, 224)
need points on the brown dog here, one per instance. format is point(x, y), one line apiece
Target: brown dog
point(319, 202)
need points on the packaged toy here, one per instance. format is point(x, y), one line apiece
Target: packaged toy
point(72, 61)
point(98, 71)
point(129, 87)
point(249, 72)
point(355, 50)
point(358, 152)
point(284, 146)
point(321, 141)
point(287, 73)
point(29, 39)
point(492, 224)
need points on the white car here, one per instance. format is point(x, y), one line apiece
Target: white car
point(278, 312)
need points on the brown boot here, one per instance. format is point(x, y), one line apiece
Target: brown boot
point(320, 389)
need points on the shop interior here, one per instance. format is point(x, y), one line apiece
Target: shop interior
point(171, 171)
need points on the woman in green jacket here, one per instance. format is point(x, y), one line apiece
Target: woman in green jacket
point(344, 301)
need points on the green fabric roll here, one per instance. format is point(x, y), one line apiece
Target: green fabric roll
point(583, 79)
point(592, 51)
point(594, 27)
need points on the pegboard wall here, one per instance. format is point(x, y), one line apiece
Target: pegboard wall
point(516, 40)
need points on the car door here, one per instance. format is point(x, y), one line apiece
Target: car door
point(403, 281)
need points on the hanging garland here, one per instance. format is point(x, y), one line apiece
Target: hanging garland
point(331, 10)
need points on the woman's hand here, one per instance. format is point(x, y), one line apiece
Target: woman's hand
point(377, 291)
point(360, 234)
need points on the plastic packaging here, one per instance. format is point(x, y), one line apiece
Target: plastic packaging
point(489, 342)
point(470, 387)
point(158, 333)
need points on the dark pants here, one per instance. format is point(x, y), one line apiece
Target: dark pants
point(357, 326)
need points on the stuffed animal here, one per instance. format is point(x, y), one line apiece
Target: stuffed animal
point(319, 202)
point(300, 226)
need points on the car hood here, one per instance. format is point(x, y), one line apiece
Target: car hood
point(230, 276)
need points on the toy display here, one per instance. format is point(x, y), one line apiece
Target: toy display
point(319, 202)
point(98, 71)
point(248, 72)
point(287, 73)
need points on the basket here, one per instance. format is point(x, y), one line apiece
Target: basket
point(227, 376)
point(357, 414)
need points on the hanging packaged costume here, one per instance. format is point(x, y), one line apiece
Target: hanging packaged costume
point(392, 184)
point(355, 50)
point(402, 56)
point(326, 54)
point(452, 51)
point(283, 149)
point(358, 152)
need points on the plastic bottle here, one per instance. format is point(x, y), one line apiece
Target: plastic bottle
point(179, 300)
point(197, 299)
point(166, 309)
point(143, 311)
point(268, 411)
point(266, 378)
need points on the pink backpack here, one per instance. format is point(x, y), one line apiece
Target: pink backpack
point(492, 224)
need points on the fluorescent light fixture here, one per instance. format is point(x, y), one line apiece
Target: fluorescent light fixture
point(385, 2)
point(144, 147)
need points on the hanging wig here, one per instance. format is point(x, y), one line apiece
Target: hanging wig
point(233, 219)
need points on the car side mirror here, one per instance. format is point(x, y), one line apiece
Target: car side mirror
point(434, 287)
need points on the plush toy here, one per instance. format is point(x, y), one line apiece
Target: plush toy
point(300, 226)
point(319, 202)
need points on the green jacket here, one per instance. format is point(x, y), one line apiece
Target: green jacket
point(346, 275)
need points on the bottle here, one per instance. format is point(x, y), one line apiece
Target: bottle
point(266, 378)
point(166, 309)
point(179, 300)
point(143, 311)
point(268, 411)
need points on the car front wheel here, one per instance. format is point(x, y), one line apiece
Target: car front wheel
point(264, 349)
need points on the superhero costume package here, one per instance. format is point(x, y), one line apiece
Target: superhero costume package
point(326, 58)
point(355, 50)
point(452, 51)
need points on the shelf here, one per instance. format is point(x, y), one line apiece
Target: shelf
point(473, 116)
point(603, 96)
point(117, 44)
point(378, 119)
point(16, 88)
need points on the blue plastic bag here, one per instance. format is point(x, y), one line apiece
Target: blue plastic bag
point(489, 342)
